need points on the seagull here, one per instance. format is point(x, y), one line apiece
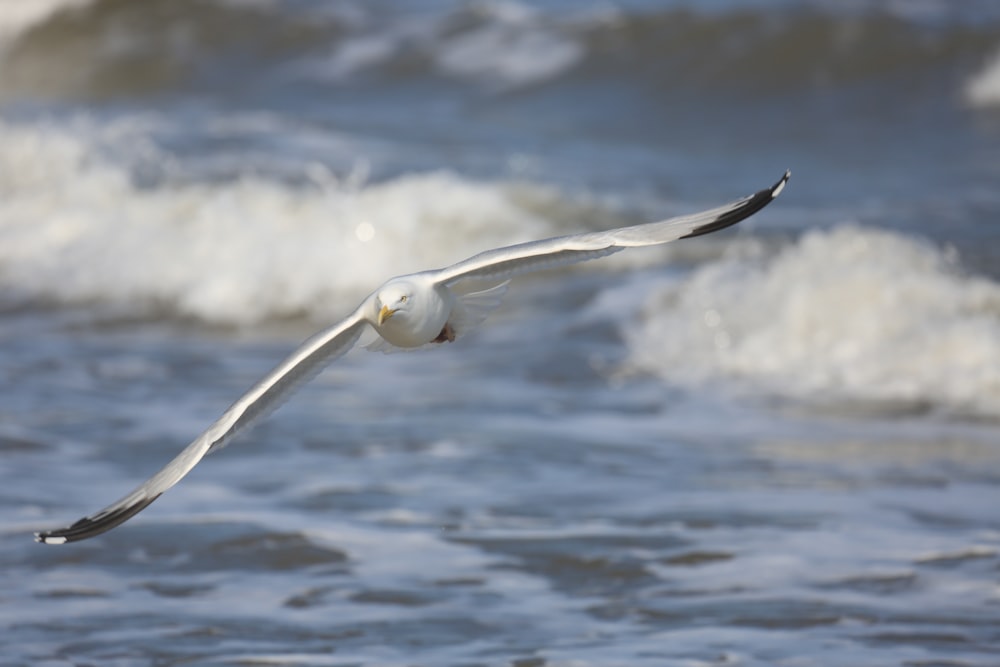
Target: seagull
point(409, 311)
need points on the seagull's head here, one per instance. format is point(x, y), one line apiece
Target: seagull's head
point(395, 298)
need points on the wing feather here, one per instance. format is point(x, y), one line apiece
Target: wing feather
point(504, 263)
point(263, 398)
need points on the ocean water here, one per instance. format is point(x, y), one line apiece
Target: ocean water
point(775, 445)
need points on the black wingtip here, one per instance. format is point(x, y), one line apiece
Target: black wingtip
point(780, 185)
point(92, 526)
point(744, 210)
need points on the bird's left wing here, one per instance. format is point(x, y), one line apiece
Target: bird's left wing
point(264, 397)
point(504, 263)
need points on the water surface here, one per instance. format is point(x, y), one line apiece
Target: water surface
point(777, 445)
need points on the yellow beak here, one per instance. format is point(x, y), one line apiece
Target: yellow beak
point(385, 314)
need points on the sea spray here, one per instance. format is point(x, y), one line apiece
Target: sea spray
point(849, 313)
point(76, 229)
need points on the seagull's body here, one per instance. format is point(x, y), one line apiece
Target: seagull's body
point(409, 312)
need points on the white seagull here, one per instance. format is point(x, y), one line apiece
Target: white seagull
point(408, 312)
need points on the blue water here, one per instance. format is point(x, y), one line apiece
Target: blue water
point(775, 445)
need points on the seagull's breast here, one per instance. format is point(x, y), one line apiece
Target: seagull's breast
point(421, 322)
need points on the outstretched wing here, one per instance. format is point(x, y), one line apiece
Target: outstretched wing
point(503, 263)
point(262, 399)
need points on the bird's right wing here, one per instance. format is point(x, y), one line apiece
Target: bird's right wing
point(263, 398)
point(504, 263)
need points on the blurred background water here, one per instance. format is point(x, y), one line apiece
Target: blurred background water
point(777, 445)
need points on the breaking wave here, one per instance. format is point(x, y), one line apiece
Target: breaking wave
point(18, 17)
point(983, 89)
point(851, 313)
point(75, 228)
point(104, 48)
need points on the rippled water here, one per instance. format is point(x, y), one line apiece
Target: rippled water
point(777, 445)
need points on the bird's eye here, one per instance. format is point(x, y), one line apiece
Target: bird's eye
point(403, 298)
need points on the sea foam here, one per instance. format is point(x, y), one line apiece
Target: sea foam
point(497, 45)
point(513, 48)
point(76, 228)
point(983, 89)
point(851, 313)
point(16, 16)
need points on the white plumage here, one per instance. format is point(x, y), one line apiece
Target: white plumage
point(409, 311)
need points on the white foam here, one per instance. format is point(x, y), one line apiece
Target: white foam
point(16, 16)
point(983, 89)
point(509, 53)
point(849, 313)
point(354, 54)
point(510, 45)
point(74, 228)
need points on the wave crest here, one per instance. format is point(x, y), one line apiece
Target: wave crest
point(104, 48)
point(983, 89)
point(852, 313)
point(76, 229)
